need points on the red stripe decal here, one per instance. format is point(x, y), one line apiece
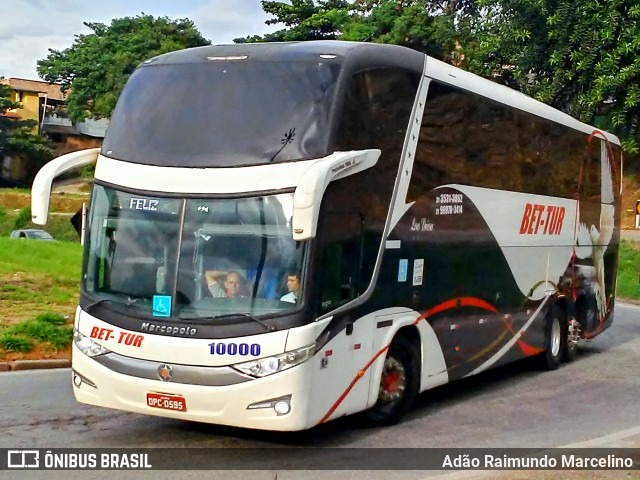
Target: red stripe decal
point(455, 303)
point(528, 350)
point(351, 385)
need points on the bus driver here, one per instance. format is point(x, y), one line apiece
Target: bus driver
point(233, 285)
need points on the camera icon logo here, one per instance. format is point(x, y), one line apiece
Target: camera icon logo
point(23, 459)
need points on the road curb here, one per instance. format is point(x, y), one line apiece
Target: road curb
point(34, 364)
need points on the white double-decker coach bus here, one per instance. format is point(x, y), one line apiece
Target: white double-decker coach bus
point(283, 234)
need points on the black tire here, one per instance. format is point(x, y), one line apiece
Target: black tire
point(554, 339)
point(570, 347)
point(399, 384)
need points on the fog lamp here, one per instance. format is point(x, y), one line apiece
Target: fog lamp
point(281, 405)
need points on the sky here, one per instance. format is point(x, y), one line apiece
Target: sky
point(28, 28)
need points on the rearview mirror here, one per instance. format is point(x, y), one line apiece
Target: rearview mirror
point(41, 188)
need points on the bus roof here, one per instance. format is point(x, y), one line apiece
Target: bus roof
point(354, 54)
point(357, 55)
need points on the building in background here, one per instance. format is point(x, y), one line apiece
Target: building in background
point(46, 104)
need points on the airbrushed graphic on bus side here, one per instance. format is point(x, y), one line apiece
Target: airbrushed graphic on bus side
point(481, 316)
point(437, 365)
point(526, 349)
point(519, 220)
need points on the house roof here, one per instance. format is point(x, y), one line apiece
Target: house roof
point(22, 85)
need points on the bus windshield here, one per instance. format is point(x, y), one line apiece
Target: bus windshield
point(217, 114)
point(192, 259)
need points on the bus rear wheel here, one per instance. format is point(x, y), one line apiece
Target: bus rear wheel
point(571, 340)
point(554, 339)
point(399, 384)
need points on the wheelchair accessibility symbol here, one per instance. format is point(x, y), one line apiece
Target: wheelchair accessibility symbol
point(161, 305)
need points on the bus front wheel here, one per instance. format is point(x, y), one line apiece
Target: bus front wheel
point(399, 384)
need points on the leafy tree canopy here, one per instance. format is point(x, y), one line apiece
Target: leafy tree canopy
point(431, 26)
point(97, 65)
point(17, 137)
point(304, 20)
point(580, 56)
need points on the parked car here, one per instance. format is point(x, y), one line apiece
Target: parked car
point(31, 233)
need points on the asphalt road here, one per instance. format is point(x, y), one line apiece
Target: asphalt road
point(514, 406)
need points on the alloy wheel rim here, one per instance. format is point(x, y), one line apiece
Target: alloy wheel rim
point(555, 337)
point(393, 382)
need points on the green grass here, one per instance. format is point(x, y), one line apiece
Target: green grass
point(629, 271)
point(60, 259)
point(37, 277)
point(39, 289)
point(14, 343)
point(47, 329)
point(51, 318)
point(26, 191)
point(56, 337)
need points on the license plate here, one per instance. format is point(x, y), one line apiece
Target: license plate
point(166, 402)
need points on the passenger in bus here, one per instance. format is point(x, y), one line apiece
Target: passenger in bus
point(234, 284)
point(293, 286)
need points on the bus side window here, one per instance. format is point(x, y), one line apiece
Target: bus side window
point(340, 259)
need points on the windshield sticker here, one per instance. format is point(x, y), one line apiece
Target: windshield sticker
point(161, 305)
point(145, 204)
point(243, 349)
point(403, 267)
point(418, 268)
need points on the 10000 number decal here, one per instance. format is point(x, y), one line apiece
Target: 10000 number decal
point(243, 349)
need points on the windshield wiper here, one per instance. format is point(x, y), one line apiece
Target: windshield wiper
point(271, 328)
point(130, 301)
point(91, 306)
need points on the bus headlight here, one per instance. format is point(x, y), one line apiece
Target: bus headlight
point(277, 363)
point(88, 346)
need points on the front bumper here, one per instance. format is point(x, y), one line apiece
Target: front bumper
point(219, 404)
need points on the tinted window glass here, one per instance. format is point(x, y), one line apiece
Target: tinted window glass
point(341, 258)
point(223, 113)
point(471, 140)
point(376, 114)
point(132, 246)
point(237, 256)
point(192, 258)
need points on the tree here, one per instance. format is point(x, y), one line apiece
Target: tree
point(580, 56)
point(304, 20)
point(96, 67)
point(435, 27)
point(17, 138)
